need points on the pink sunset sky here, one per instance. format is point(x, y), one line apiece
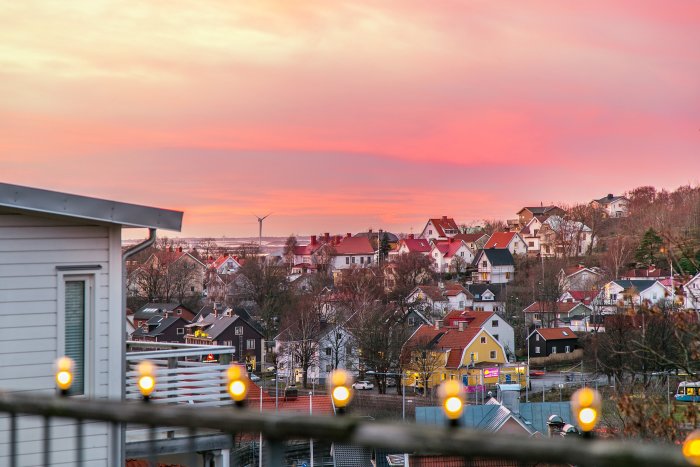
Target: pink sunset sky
point(345, 115)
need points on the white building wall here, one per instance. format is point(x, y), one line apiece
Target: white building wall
point(503, 330)
point(31, 339)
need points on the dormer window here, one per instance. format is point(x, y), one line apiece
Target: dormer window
point(565, 333)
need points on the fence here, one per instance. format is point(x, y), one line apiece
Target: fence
point(277, 429)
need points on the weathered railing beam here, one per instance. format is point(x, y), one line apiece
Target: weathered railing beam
point(399, 437)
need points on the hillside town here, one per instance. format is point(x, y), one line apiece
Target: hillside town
point(607, 290)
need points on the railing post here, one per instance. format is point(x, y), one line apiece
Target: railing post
point(275, 452)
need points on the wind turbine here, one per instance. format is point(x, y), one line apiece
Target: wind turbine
point(260, 221)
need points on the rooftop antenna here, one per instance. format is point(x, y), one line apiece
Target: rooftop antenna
point(260, 221)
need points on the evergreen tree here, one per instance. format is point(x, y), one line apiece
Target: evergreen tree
point(649, 251)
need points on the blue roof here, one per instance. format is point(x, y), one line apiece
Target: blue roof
point(640, 285)
point(488, 417)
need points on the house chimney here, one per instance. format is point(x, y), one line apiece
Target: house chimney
point(326, 237)
point(460, 325)
point(313, 239)
point(348, 235)
point(450, 240)
point(179, 249)
point(369, 232)
point(610, 196)
point(444, 218)
point(438, 324)
point(411, 236)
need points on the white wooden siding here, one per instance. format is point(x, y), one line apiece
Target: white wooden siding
point(31, 248)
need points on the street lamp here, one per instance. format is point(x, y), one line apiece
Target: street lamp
point(64, 374)
point(147, 379)
point(586, 405)
point(451, 395)
point(340, 383)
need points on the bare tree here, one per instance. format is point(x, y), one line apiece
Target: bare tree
point(410, 270)
point(288, 252)
point(302, 330)
point(423, 360)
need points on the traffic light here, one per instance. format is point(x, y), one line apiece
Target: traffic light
point(340, 388)
point(586, 406)
point(691, 448)
point(237, 384)
point(64, 374)
point(147, 379)
point(451, 394)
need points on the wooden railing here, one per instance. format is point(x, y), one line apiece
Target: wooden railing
point(397, 437)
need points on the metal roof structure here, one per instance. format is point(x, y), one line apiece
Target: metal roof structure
point(83, 207)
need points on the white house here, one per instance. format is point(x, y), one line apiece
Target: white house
point(412, 244)
point(691, 290)
point(579, 278)
point(62, 294)
point(488, 297)
point(564, 237)
point(446, 253)
point(353, 252)
point(509, 240)
point(494, 266)
point(548, 314)
point(530, 234)
point(436, 300)
point(440, 229)
point(614, 206)
point(633, 292)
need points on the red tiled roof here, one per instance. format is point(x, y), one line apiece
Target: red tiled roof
point(442, 224)
point(474, 319)
point(469, 238)
point(583, 296)
point(448, 248)
point(454, 358)
point(354, 245)
point(418, 245)
point(321, 403)
point(548, 307)
point(500, 240)
point(551, 334)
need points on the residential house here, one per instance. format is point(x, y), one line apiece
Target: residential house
point(436, 300)
point(149, 310)
point(475, 241)
point(186, 276)
point(436, 353)
point(336, 349)
point(530, 234)
point(447, 253)
point(632, 292)
point(412, 244)
point(488, 297)
point(61, 260)
point(225, 264)
point(544, 342)
point(494, 266)
point(229, 329)
point(579, 296)
point(527, 213)
point(440, 229)
point(691, 292)
point(509, 240)
point(565, 237)
point(162, 328)
point(580, 277)
point(498, 327)
point(551, 314)
point(652, 272)
point(353, 252)
point(316, 253)
point(614, 206)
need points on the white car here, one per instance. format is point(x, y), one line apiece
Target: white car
point(362, 385)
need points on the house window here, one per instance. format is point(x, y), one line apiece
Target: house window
point(554, 349)
point(474, 356)
point(495, 336)
point(461, 304)
point(180, 331)
point(613, 296)
point(492, 355)
point(179, 311)
point(494, 323)
point(238, 330)
point(507, 275)
point(369, 260)
point(531, 244)
point(192, 288)
point(537, 350)
point(353, 260)
point(347, 260)
point(328, 351)
point(362, 260)
point(75, 330)
point(484, 264)
point(250, 344)
point(411, 321)
point(567, 349)
point(430, 232)
point(483, 340)
point(329, 368)
point(461, 253)
point(537, 336)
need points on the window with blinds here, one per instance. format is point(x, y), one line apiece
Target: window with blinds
point(75, 332)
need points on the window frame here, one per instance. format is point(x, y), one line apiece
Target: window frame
point(90, 276)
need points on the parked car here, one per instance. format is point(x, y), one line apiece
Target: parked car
point(362, 385)
point(254, 378)
point(390, 383)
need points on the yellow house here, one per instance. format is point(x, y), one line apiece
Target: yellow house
point(472, 355)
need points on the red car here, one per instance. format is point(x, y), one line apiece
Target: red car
point(536, 373)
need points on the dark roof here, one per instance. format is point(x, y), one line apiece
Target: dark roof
point(640, 285)
point(83, 207)
point(538, 210)
point(161, 325)
point(215, 326)
point(390, 237)
point(496, 256)
point(498, 290)
point(609, 199)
